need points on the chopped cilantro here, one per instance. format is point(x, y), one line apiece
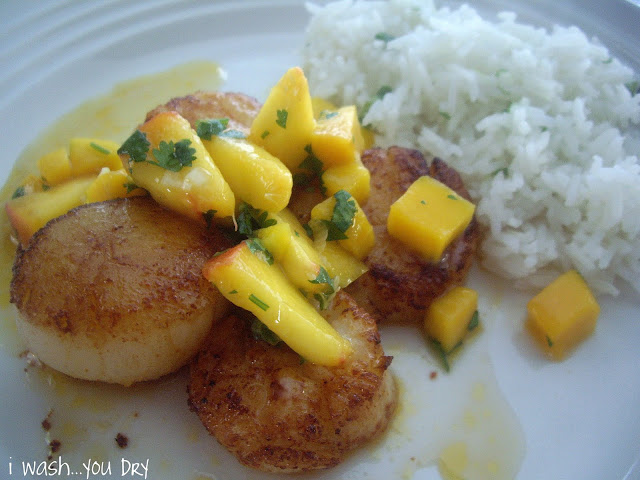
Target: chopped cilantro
point(504, 172)
point(313, 166)
point(281, 119)
point(19, 192)
point(474, 322)
point(384, 36)
point(250, 219)
point(442, 354)
point(324, 277)
point(136, 146)
point(549, 342)
point(99, 148)
point(265, 134)
point(445, 115)
point(211, 127)
point(261, 332)
point(344, 210)
point(258, 302)
point(327, 114)
point(382, 91)
point(208, 218)
point(452, 197)
point(233, 292)
point(633, 87)
point(174, 156)
point(130, 186)
point(216, 127)
point(259, 250)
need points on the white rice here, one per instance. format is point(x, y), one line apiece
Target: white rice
point(540, 123)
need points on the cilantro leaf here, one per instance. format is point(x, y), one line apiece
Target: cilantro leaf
point(250, 219)
point(208, 218)
point(19, 192)
point(382, 91)
point(174, 156)
point(261, 332)
point(344, 210)
point(259, 250)
point(211, 127)
point(324, 277)
point(136, 146)
point(384, 36)
point(281, 119)
point(333, 232)
point(130, 186)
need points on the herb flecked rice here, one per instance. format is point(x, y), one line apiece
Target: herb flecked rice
point(541, 123)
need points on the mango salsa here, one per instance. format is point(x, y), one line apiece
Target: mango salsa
point(449, 317)
point(285, 122)
point(346, 223)
point(562, 315)
point(337, 136)
point(428, 217)
point(252, 283)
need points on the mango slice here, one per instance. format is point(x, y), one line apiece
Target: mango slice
point(285, 122)
point(29, 213)
point(250, 282)
point(254, 175)
point(55, 166)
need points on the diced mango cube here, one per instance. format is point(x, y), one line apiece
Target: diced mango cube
point(254, 175)
point(562, 315)
point(428, 217)
point(249, 282)
point(285, 122)
point(192, 188)
point(55, 167)
point(345, 222)
point(89, 155)
point(112, 184)
point(353, 177)
point(448, 318)
point(337, 137)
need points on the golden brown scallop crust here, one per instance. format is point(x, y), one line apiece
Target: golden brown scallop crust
point(100, 266)
point(279, 414)
point(400, 285)
point(239, 108)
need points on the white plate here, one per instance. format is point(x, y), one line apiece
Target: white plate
point(580, 418)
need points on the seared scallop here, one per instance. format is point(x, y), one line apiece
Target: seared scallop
point(400, 284)
point(113, 291)
point(277, 413)
point(239, 108)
